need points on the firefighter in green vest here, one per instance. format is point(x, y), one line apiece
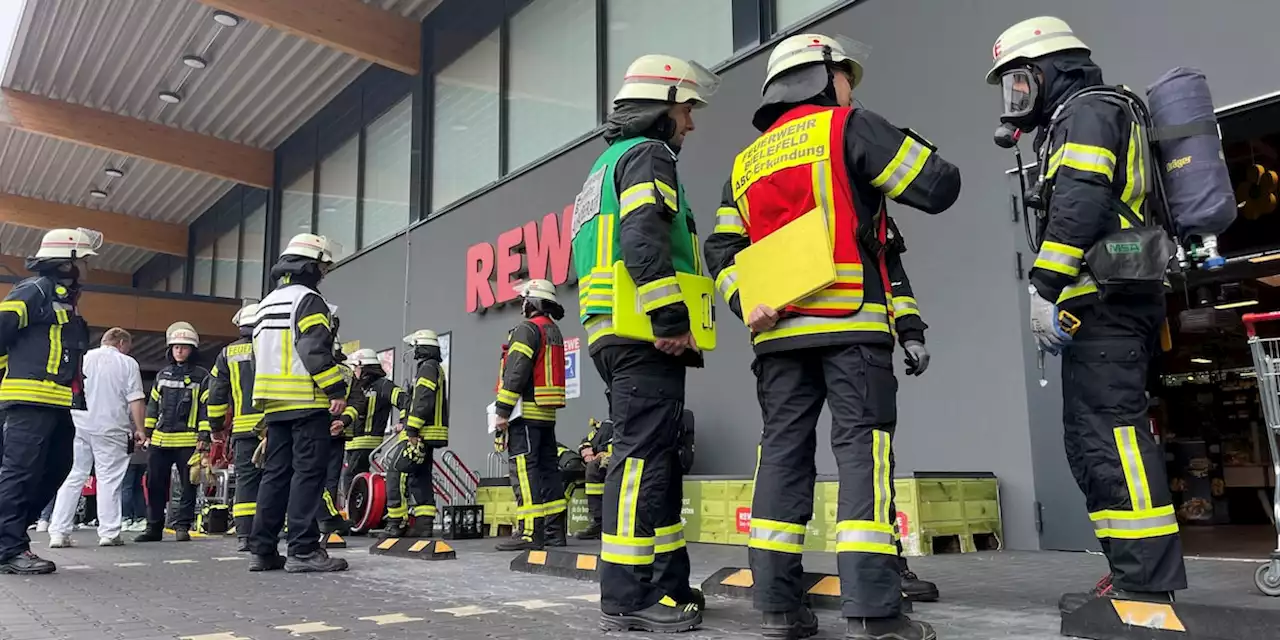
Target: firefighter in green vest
point(632, 227)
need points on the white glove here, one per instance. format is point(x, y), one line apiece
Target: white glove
point(1044, 324)
point(917, 357)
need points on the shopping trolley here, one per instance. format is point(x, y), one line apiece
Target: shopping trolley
point(1266, 358)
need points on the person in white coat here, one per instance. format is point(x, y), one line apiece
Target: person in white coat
point(113, 393)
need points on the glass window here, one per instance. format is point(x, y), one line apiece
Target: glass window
point(295, 209)
point(251, 257)
point(546, 110)
point(227, 252)
point(703, 32)
point(202, 273)
point(387, 148)
point(177, 276)
point(160, 285)
point(789, 12)
point(337, 218)
point(465, 140)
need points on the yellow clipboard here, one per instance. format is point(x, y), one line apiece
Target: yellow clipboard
point(630, 320)
point(786, 266)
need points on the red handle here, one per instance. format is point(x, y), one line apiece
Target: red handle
point(1251, 318)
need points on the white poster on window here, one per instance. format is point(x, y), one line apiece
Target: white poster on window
point(446, 339)
point(572, 374)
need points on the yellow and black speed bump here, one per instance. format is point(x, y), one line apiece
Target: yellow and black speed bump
point(333, 541)
point(821, 590)
point(419, 548)
point(1107, 619)
point(562, 564)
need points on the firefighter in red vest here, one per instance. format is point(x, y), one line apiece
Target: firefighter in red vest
point(835, 345)
point(530, 391)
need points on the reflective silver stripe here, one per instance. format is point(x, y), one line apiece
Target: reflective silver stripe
point(626, 549)
point(902, 305)
point(783, 537)
point(827, 297)
point(823, 169)
point(727, 283)
point(636, 197)
point(1058, 257)
point(668, 539)
point(1008, 54)
point(881, 471)
point(1085, 157)
point(1132, 457)
point(894, 180)
point(632, 473)
point(734, 220)
point(816, 321)
point(1153, 522)
point(869, 537)
point(848, 273)
point(655, 295)
point(175, 384)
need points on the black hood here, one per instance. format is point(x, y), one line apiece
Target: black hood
point(632, 118)
point(1064, 74)
point(426, 352)
point(297, 270)
point(812, 84)
point(369, 373)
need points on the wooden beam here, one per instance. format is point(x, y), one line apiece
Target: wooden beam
point(351, 26)
point(137, 312)
point(17, 266)
point(138, 138)
point(116, 228)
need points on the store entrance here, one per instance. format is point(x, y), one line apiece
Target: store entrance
point(1204, 393)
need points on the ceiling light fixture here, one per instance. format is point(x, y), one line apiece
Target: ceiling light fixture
point(1235, 305)
point(170, 97)
point(113, 172)
point(98, 193)
point(1202, 361)
point(226, 18)
point(195, 62)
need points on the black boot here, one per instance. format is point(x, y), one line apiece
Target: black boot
point(791, 625)
point(272, 562)
point(557, 531)
point(914, 588)
point(317, 561)
point(421, 528)
point(667, 616)
point(898, 628)
point(697, 597)
point(27, 564)
point(392, 529)
point(519, 543)
point(592, 532)
point(154, 533)
point(182, 535)
point(1069, 602)
point(242, 545)
point(336, 525)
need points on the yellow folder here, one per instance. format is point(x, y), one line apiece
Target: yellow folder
point(631, 321)
point(786, 266)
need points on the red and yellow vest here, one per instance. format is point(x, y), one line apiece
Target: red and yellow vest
point(548, 392)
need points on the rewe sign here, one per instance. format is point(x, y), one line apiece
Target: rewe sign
point(534, 250)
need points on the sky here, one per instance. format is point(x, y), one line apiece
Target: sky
point(10, 15)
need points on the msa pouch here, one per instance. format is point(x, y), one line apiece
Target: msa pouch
point(1133, 258)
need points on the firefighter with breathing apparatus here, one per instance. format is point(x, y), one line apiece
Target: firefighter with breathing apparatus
point(411, 500)
point(1106, 204)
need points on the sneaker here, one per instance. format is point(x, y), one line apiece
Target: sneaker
point(42, 526)
point(27, 564)
point(110, 542)
point(667, 616)
point(59, 541)
point(138, 525)
point(317, 561)
point(899, 628)
point(791, 625)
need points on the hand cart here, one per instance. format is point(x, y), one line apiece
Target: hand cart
point(1266, 359)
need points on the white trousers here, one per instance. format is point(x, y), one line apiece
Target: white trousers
point(107, 456)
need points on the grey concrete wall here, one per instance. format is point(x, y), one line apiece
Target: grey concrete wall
point(975, 410)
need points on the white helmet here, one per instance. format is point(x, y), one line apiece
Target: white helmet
point(310, 245)
point(538, 290)
point(812, 48)
point(71, 244)
point(1031, 39)
point(247, 316)
point(182, 333)
point(365, 357)
point(422, 338)
point(667, 79)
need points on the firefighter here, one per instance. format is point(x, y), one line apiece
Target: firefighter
point(532, 378)
point(175, 433)
point(45, 340)
point(572, 473)
point(331, 519)
point(298, 387)
point(381, 398)
point(1096, 183)
point(595, 450)
point(426, 429)
point(632, 209)
point(836, 345)
point(231, 392)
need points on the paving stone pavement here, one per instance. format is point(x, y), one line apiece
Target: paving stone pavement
point(204, 591)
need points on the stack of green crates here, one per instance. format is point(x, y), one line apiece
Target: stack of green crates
point(500, 506)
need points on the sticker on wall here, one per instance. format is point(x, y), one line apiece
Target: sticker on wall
point(446, 342)
point(388, 359)
point(572, 375)
point(744, 519)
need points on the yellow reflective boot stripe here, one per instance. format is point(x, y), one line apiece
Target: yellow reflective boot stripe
point(659, 293)
point(1135, 525)
point(636, 197)
point(1083, 157)
point(860, 536)
point(1060, 258)
point(903, 168)
point(1135, 472)
point(243, 509)
point(773, 535)
point(520, 347)
point(668, 539)
point(727, 282)
point(728, 220)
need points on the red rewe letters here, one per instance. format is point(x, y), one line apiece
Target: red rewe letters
point(538, 251)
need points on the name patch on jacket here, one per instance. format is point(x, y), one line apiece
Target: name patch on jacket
point(799, 142)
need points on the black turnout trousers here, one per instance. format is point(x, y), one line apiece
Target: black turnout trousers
point(1115, 459)
point(642, 545)
point(357, 462)
point(292, 482)
point(35, 460)
point(160, 463)
point(857, 384)
point(333, 502)
point(533, 466)
point(248, 479)
point(596, 474)
point(410, 493)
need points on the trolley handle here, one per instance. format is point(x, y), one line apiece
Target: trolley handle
point(1252, 318)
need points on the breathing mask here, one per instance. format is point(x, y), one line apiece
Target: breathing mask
point(1020, 97)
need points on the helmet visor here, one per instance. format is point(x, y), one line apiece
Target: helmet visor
point(854, 51)
point(704, 82)
point(1018, 90)
point(90, 242)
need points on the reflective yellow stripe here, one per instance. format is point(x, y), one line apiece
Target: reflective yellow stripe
point(727, 282)
point(1135, 471)
point(598, 327)
point(872, 317)
point(244, 509)
point(178, 440)
point(35, 392)
point(668, 195)
point(362, 443)
point(18, 308)
point(1084, 285)
point(595, 488)
point(775, 535)
point(351, 412)
point(524, 509)
point(860, 536)
point(626, 550)
point(728, 220)
point(508, 397)
point(1060, 258)
point(4, 362)
point(55, 349)
point(155, 394)
point(329, 504)
point(905, 306)
point(424, 511)
point(401, 511)
point(1083, 157)
point(903, 168)
point(280, 406)
point(424, 382)
point(1135, 525)
point(216, 411)
point(532, 411)
point(311, 321)
point(328, 377)
point(417, 422)
point(520, 347)
point(668, 539)
point(629, 496)
point(150, 423)
point(245, 423)
point(659, 293)
point(636, 197)
point(1135, 188)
